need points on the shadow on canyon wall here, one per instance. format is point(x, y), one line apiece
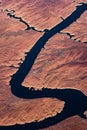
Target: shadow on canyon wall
point(75, 100)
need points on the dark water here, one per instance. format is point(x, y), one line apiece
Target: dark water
point(75, 104)
point(11, 15)
point(75, 100)
point(26, 66)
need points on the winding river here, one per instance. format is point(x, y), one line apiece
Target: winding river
point(73, 106)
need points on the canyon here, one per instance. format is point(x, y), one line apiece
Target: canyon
point(39, 61)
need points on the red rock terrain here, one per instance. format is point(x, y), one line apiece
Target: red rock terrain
point(62, 63)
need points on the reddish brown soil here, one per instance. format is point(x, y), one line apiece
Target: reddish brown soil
point(62, 63)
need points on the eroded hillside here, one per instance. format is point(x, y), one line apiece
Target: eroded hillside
point(61, 63)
